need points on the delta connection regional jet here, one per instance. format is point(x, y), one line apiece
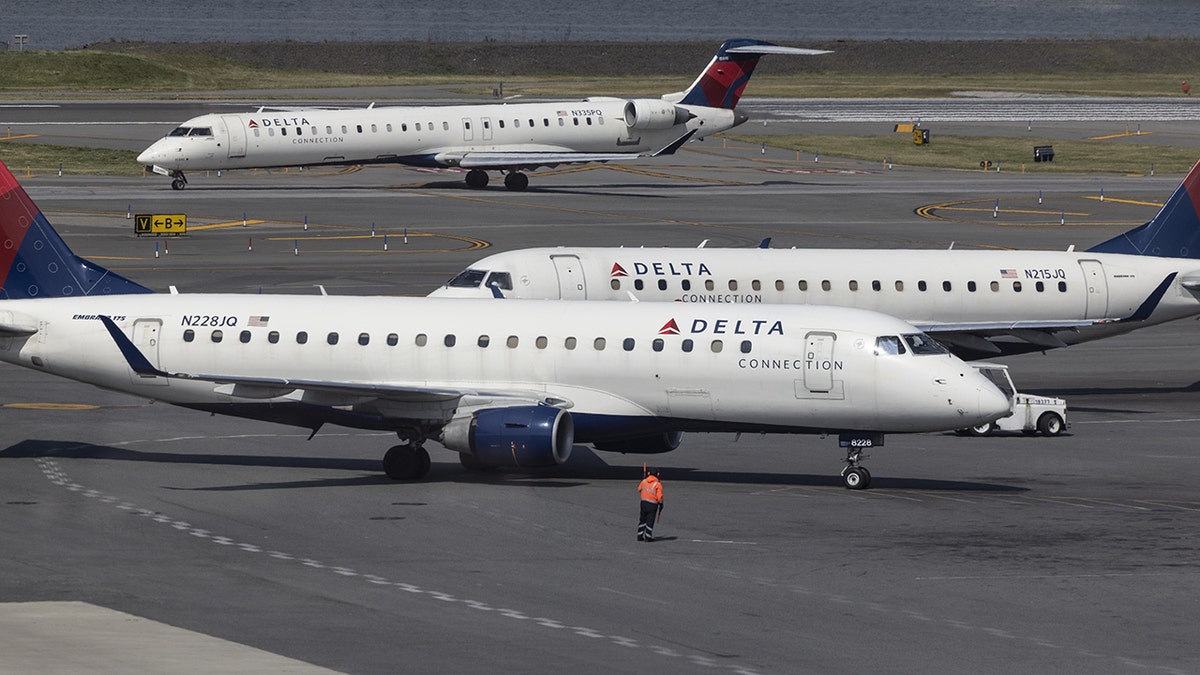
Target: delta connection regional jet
point(500, 383)
point(508, 137)
point(979, 303)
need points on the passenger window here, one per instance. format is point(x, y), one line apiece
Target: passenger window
point(853, 285)
point(756, 285)
point(1016, 287)
point(709, 285)
point(686, 284)
point(687, 345)
point(599, 343)
point(302, 338)
point(501, 124)
point(570, 343)
point(364, 339)
point(657, 344)
point(1062, 287)
point(733, 284)
point(283, 131)
point(483, 341)
point(546, 121)
point(449, 340)
point(576, 121)
point(257, 133)
point(921, 286)
point(627, 344)
point(615, 283)
point(971, 286)
point(899, 285)
point(541, 342)
point(876, 285)
point(393, 339)
point(189, 335)
point(404, 126)
point(388, 127)
point(217, 336)
point(513, 341)
point(343, 128)
point(374, 128)
point(446, 126)
point(662, 284)
point(531, 124)
point(562, 122)
point(273, 337)
point(601, 119)
point(745, 347)
point(803, 285)
point(313, 131)
point(271, 131)
point(332, 338)
point(1040, 287)
point(946, 286)
point(638, 285)
point(995, 286)
point(328, 130)
point(825, 285)
point(779, 284)
point(717, 346)
point(417, 126)
point(421, 340)
point(244, 336)
point(299, 131)
point(358, 128)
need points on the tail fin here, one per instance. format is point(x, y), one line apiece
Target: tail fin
point(1173, 233)
point(36, 262)
point(722, 82)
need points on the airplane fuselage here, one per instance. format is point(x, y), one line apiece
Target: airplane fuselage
point(1083, 296)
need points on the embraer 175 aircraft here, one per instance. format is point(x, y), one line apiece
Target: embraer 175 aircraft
point(980, 303)
point(501, 383)
point(508, 137)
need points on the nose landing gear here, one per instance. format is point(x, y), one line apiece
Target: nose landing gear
point(179, 180)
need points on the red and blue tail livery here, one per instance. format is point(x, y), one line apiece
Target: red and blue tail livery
point(36, 262)
point(1174, 232)
point(722, 82)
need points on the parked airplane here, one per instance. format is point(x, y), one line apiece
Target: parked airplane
point(509, 137)
point(500, 383)
point(980, 303)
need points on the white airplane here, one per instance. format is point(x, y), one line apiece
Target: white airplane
point(980, 303)
point(508, 137)
point(501, 383)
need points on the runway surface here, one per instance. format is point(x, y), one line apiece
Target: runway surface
point(1074, 554)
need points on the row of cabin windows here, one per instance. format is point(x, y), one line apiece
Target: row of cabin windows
point(313, 131)
point(826, 285)
point(483, 341)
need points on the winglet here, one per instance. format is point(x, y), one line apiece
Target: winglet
point(765, 243)
point(678, 143)
point(1174, 232)
point(136, 359)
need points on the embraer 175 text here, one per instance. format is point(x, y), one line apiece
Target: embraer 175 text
point(501, 383)
point(980, 303)
point(508, 137)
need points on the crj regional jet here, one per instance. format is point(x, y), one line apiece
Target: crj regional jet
point(501, 383)
point(979, 303)
point(508, 137)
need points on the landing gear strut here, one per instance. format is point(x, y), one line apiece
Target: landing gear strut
point(855, 477)
point(180, 180)
point(409, 461)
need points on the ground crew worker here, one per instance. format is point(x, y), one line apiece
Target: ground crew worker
point(651, 493)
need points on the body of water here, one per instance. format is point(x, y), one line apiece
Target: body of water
point(59, 24)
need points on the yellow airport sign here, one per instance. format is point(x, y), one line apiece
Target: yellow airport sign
point(160, 223)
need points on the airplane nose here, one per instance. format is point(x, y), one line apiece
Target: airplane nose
point(993, 403)
point(147, 157)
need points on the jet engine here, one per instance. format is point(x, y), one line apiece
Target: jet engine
point(653, 444)
point(651, 113)
point(536, 435)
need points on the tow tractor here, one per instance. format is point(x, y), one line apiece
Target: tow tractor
point(1031, 414)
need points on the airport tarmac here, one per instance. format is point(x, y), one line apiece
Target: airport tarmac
point(1074, 554)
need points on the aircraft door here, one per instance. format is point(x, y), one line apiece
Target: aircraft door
point(487, 128)
point(237, 135)
point(818, 361)
point(146, 337)
point(571, 282)
point(468, 134)
point(1097, 289)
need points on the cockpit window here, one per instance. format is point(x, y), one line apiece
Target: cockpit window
point(921, 343)
point(201, 131)
point(468, 279)
point(501, 280)
point(180, 131)
point(888, 345)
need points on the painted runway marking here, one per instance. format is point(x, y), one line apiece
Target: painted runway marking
point(56, 475)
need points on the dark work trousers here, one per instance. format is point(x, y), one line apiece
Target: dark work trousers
point(646, 518)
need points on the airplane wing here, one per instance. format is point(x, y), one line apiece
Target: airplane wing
point(1001, 337)
point(531, 160)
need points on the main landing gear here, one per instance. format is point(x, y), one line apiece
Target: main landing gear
point(407, 461)
point(179, 181)
point(855, 477)
point(477, 179)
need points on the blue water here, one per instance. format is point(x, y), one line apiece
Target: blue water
point(58, 24)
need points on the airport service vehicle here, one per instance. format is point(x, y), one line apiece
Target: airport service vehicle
point(1031, 413)
point(980, 304)
point(508, 137)
point(500, 383)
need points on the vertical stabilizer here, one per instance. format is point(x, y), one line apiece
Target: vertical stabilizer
point(1173, 233)
point(722, 82)
point(36, 262)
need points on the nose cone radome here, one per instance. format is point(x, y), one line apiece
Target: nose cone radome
point(148, 156)
point(993, 403)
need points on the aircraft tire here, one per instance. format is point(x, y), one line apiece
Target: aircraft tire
point(856, 478)
point(178, 184)
point(985, 429)
point(405, 462)
point(516, 181)
point(1050, 424)
point(477, 179)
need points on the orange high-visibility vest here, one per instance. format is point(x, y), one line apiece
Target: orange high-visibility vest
point(650, 489)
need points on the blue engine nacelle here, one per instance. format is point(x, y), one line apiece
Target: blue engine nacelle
point(535, 435)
